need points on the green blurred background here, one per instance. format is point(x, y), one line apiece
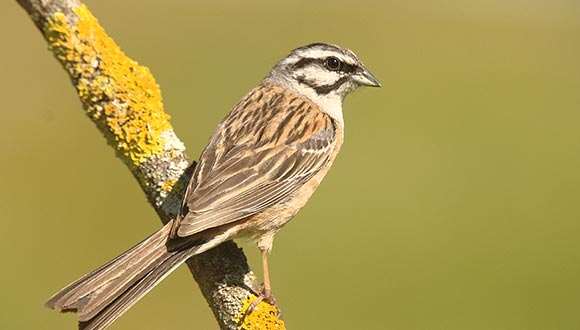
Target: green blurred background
point(455, 203)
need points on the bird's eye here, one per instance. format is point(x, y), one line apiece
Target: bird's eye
point(332, 63)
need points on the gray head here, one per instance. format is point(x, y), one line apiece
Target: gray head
point(324, 73)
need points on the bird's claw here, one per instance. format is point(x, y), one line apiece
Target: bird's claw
point(266, 295)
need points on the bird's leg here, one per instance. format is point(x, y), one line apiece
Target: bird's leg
point(267, 289)
point(265, 293)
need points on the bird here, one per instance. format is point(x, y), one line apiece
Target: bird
point(261, 165)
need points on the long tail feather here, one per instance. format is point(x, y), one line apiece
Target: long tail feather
point(92, 292)
point(101, 296)
point(130, 296)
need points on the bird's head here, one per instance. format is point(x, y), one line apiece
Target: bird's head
point(324, 69)
point(324, 73)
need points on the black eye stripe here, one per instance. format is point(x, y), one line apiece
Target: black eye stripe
point(348, 68)
point(345, 67)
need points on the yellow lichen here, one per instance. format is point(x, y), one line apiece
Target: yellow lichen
point(168, 185)
point(263, 317)
point(118, 94)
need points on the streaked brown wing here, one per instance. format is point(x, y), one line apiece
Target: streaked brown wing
point(248, 167)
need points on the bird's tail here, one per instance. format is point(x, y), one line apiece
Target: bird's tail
point(103, 295)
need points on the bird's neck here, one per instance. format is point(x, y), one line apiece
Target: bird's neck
point(330, 103)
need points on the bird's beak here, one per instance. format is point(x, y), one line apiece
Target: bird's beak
point(365, 77)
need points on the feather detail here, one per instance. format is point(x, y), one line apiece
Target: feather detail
point(267, 148)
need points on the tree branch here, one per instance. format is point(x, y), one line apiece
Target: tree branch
point(122, 98)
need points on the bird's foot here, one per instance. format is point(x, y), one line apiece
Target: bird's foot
point(266, 295)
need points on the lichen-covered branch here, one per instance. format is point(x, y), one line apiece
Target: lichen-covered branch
point(122, 98)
